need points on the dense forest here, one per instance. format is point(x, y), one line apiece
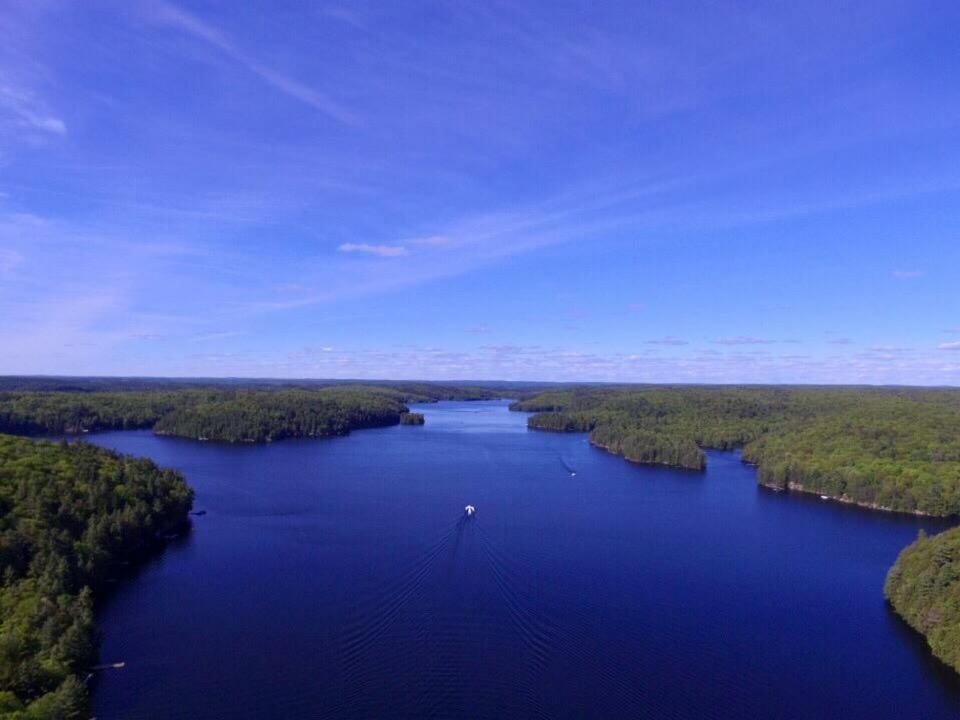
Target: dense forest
point(69, 516)
point(232, 415)
point(411, 418)
point(434, 390)
point(896, 449)
point(273, 415)
point(924, 588)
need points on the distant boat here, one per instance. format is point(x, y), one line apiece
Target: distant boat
point(469, 510)
point(824, 497)
point(572, 474)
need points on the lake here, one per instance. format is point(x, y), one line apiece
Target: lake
point(340, 578)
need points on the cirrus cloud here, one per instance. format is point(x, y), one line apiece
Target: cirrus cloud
point(669, 340)
point(378, 250)
point(742, 340)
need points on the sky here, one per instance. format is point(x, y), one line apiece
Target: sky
point(714, 192)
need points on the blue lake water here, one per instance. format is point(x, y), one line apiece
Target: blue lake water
point(339, 578)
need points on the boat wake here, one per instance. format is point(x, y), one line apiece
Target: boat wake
point(465, 630)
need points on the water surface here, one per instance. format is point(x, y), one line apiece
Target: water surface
point(338, 578)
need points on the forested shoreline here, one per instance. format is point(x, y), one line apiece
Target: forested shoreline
point(228, 415)
point(923, 587)
point(70, 516)
point(892, 449)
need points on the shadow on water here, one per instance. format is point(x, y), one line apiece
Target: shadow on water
point(123, 573)
point(819, 504)
point(947, 679)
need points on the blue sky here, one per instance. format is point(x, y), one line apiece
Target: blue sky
point(672, 191)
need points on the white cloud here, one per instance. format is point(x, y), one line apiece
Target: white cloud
point(222, 335)
point(565, 363)
point(169, 14)
point(28, 112)
point(742, 340)
point(890, 349)
point(378, 250)
point(907, 274)
point(669, 340)
point(950, 345)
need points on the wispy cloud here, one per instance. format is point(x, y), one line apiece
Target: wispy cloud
point(669, 340)
point(222, 335)
point(378, 250)
point(480, 329)
point(9, 259)
point(431, 241)
point(950, 345)
point(28, 112)
point(840, 341)
point(566, 363)
point(887, 349)
point(169, 14)
point(742, 340)
point(907, 274)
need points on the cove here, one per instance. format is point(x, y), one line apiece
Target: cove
point(340, 578)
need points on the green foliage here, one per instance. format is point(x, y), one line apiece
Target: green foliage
point(69, 514)
point(411, 418)
point(897, 449)
point(923, 587)
point(652, 448)
point(263, 416)
point(217, 413)
point(64, 412)
point(889, 451)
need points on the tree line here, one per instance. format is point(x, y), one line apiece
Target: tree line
point(69, 516)
point(923, 586)
point(216, 413)
point(896, 449)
